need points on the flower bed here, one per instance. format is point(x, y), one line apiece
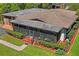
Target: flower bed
point(44, 47)
point(49, 45)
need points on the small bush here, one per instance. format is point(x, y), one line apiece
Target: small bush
point(67, 45)
point(48, 44)
point(59, 52)
point(61, 45)
point(16, 34)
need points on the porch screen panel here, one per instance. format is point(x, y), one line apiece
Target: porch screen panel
point(42, 35)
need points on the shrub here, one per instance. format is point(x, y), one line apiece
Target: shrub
point(60, 52)
point(61, 45)
point(16, 34)
point(70, 34)
point(67, 45)
point(48, 44)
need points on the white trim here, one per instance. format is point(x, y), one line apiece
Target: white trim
point(62, 37)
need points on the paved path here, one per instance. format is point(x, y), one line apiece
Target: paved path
point(18, 48)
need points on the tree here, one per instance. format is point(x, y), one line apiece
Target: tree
point(44, 5)
point(1, 8)
point(49, 5)
point(14, 7)
point(21, 6)
point(40, 5)
point(28, 5)
point(6, 8)
point(73, 6)
point(1, 11)
point(35, 5)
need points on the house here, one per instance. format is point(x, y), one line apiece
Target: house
point(47, 24)
point(58, 5)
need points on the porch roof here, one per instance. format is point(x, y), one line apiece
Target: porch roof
point(37, 24)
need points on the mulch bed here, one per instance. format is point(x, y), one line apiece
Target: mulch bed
point(51, 49)
point(27, 40)
point(43, 47)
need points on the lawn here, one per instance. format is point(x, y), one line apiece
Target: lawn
point(73, 6)
point(12, 40)
point(30, 50)
point(75, 48)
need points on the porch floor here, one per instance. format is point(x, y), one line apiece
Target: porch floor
point(6, 26)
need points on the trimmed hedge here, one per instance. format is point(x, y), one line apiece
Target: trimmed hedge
point(49, 44)
point(15, 34)
point(75, 27)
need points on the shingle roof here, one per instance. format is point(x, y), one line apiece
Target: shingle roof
point(37, 24)
point(24, 12)
point(56, 17)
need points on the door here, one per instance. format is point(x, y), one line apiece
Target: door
point(36, 35)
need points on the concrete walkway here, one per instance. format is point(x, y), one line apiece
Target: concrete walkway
point(18, 48)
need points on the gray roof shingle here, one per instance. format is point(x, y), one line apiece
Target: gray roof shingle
point(56, 17)
point(24, 12)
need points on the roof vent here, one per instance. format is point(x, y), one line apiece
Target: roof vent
point(36, 19)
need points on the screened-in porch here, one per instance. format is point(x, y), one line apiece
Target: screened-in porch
point(35, 32)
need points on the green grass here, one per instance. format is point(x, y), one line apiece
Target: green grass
point(75, 48)
point(16, 34)
point(73, 6)
point(12, 40)
point(28, 51)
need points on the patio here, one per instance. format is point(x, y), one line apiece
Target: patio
point(6, 26)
